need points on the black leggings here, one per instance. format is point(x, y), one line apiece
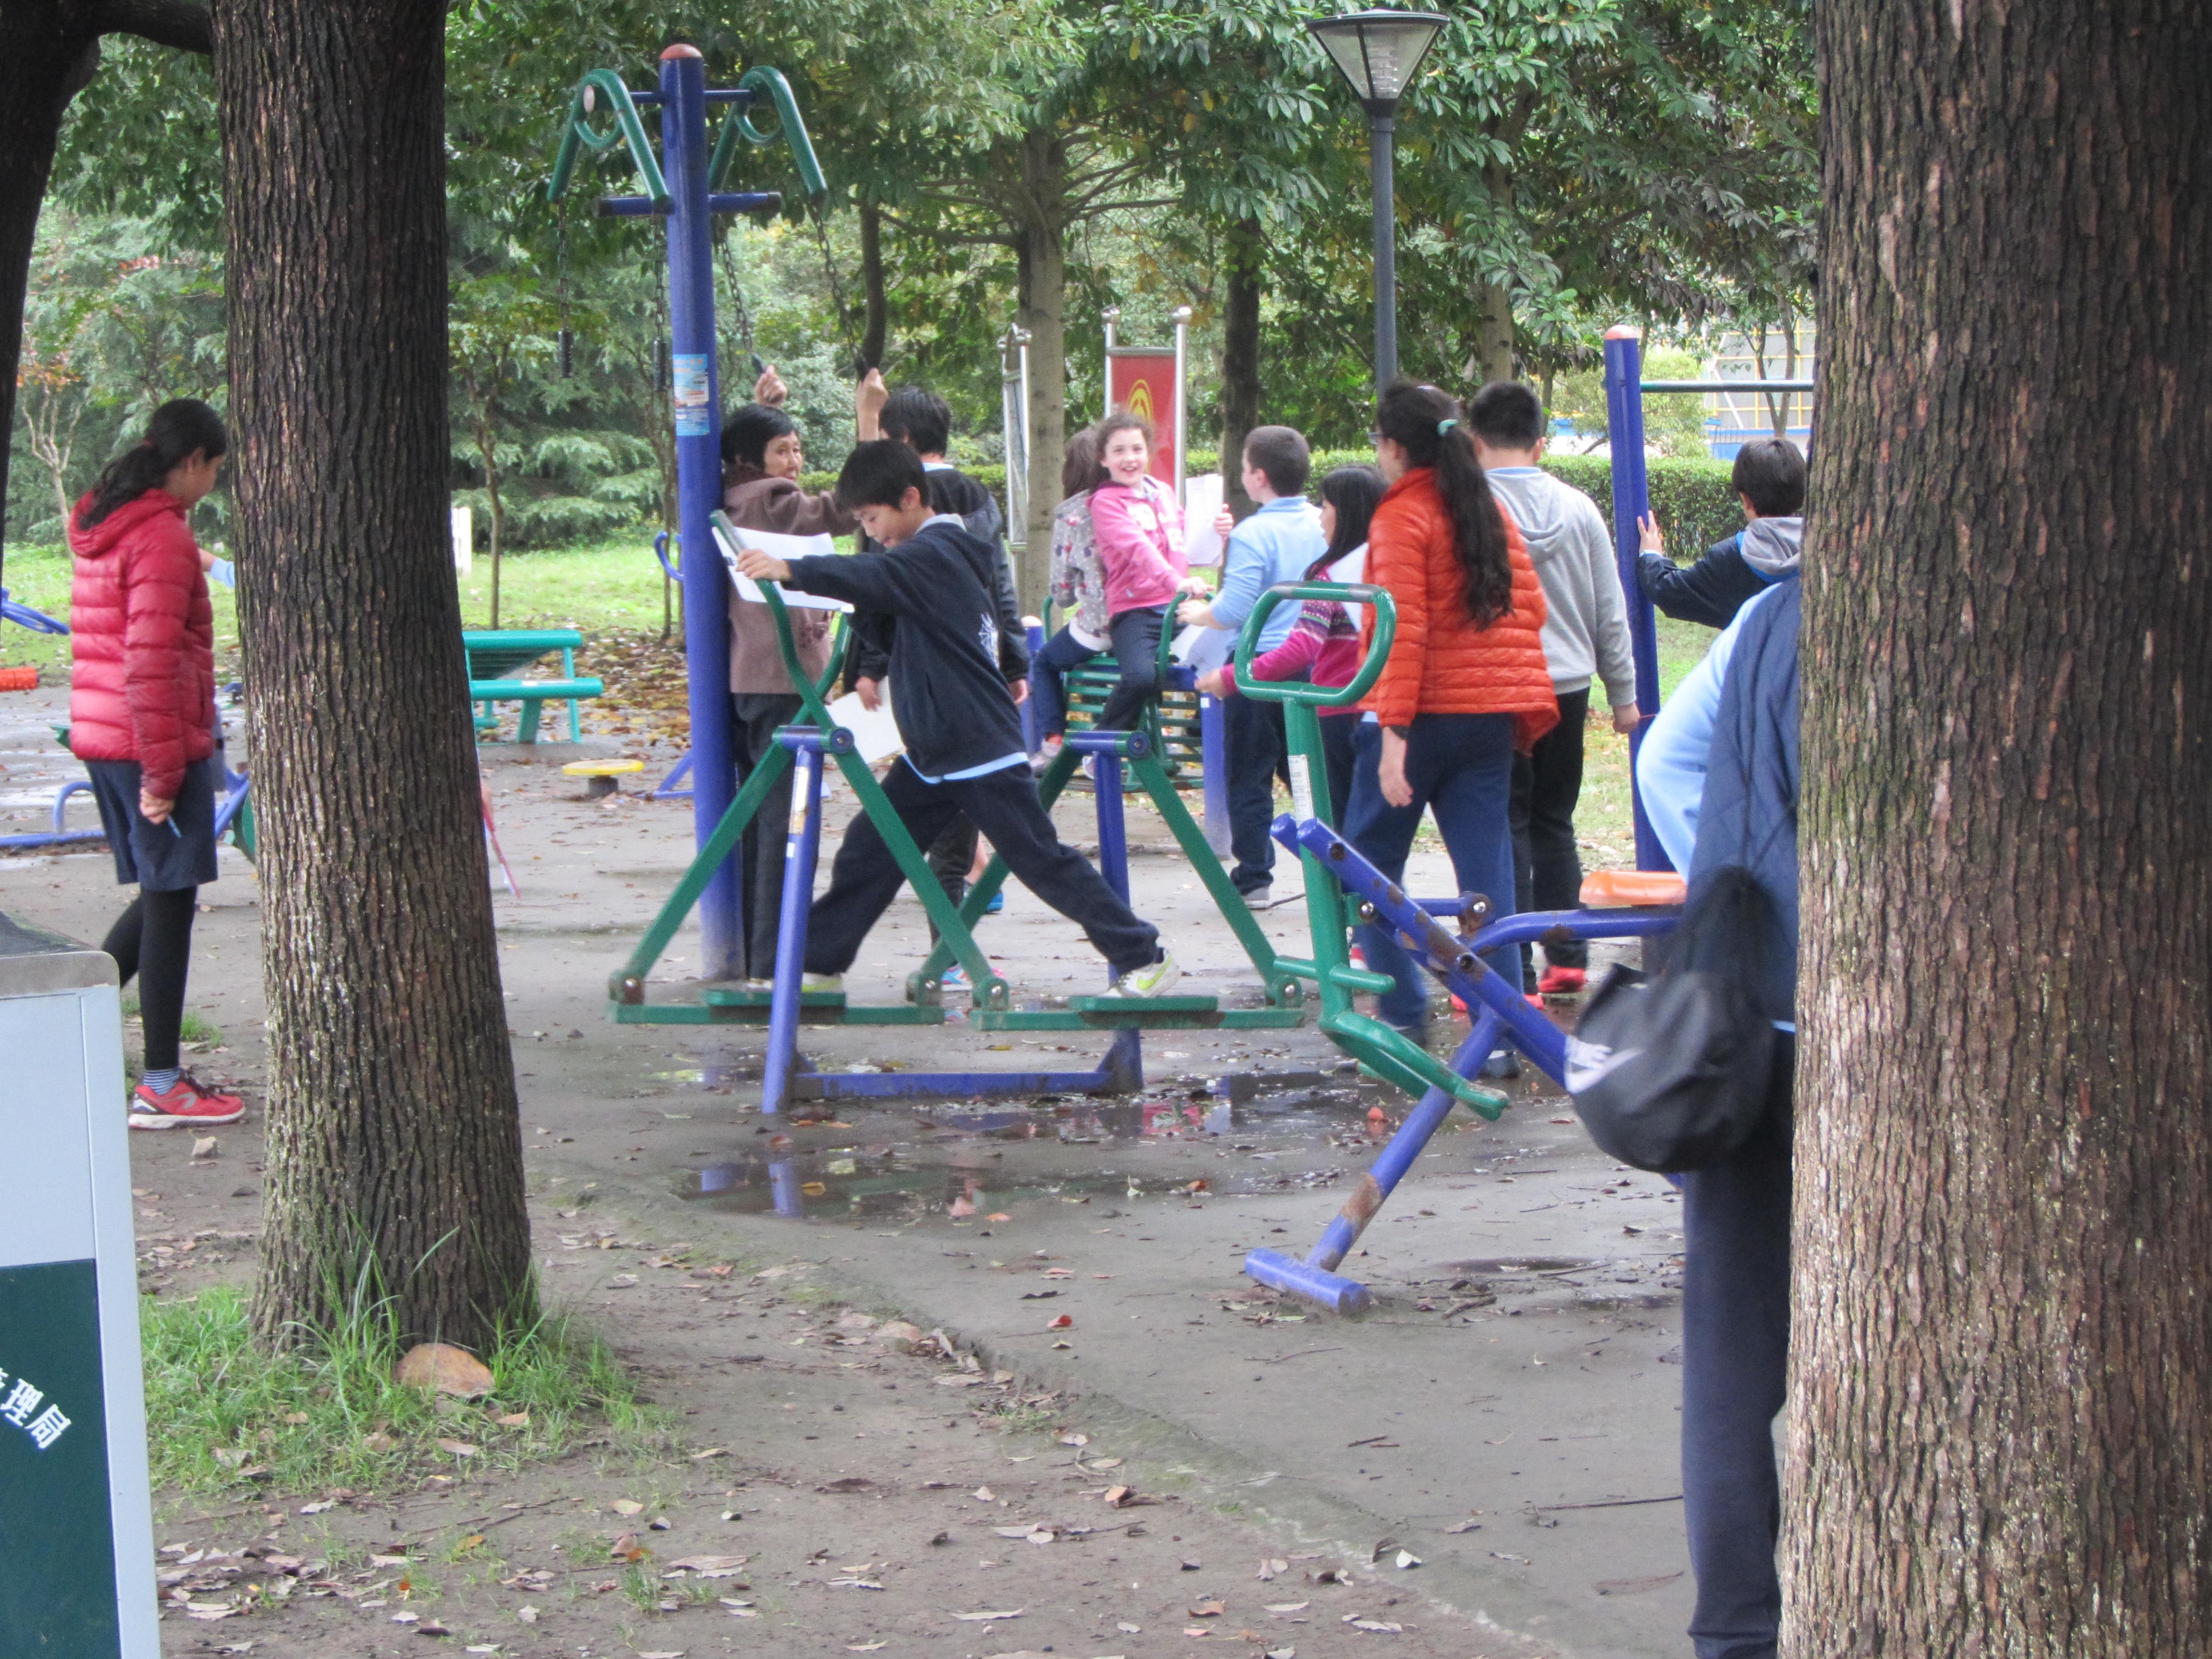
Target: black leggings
point(153, 940)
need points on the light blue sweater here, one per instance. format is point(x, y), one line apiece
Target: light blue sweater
point(1277, 543)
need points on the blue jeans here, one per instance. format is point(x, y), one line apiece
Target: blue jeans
point(1461, 767)
point(1048, 669)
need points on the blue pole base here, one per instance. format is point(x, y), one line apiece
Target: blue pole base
point(1308, 1283)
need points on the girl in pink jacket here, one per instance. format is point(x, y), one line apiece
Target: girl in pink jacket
point(1138, 531)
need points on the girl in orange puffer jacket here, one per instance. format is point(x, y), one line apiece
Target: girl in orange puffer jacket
point(143, 719)
point(1465, 685)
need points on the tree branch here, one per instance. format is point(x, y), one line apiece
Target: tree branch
point(178, 23)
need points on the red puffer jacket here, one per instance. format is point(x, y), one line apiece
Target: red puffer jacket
point(142, 642)
point(1440, 662)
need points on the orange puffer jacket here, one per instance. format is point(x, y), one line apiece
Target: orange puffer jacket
point(1440, 662)
point(142, 642)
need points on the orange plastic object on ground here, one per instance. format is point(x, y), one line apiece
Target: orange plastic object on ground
point(1622, 890)
point(19, 679)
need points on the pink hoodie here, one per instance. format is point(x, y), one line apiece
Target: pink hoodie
point(1140, 535)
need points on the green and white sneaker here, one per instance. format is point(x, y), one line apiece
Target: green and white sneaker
point(832, 982)
point(1150, 981)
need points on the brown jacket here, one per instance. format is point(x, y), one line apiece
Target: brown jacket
point(780, 507)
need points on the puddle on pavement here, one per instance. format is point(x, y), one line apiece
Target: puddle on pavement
point(980, 1161)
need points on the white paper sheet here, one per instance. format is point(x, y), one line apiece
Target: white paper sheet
point(875, 734)
point(1202, 501)
point(781, 547)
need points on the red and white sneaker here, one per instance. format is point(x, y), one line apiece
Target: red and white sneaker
point(1563, 981)
point(186, 1102)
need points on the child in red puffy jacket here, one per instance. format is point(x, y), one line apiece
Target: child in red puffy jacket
point(143, 719)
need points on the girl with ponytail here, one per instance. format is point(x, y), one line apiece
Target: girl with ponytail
point(1465, 687)
point(143, 719)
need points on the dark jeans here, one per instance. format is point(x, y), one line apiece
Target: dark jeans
point(1048, 675)
point(1735, 1348)
point(1136, 636)
point(1548, 871)
point(759, 855)
point(1004, 807)
point(1252, 730)
point(1338, 735)
point(1460, 766)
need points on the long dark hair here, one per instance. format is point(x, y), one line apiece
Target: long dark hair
point(1426, 422)
point(1355, 492)
point(179, 427)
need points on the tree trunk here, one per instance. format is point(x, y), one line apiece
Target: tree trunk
point(1496, 354)
point(1243, 269)
point(1043, 265)
point(877, 320)
point(393, 1146)
point(487, 447)
point(2000, 1417)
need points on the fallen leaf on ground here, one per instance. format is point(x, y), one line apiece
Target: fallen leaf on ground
point(984, 1494)
point(1633, 1586)
point(459, 1448)
point(1209, 1610)
point(1381, 1626)
point(626, 1506)
point(441, 1368)
point(1288, 1607)
point(527, 1615)
point(1116, 1496)
point(626, 1548)
point(514, 1421)
point(205, 1146)
point(1270, 1567)
point(710, 1566)
point(973, 1617)
point(1468, 1525)
point(1408, 1559)
point(847, 1483)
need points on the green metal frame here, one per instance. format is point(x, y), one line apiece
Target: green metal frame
point(578, 133)
point(739, 124)
point(1381, 1051)
point(992, 998)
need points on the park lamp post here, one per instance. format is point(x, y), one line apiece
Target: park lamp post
point(1379, 52)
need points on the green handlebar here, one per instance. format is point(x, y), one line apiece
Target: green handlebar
point(759, 79)
point(814, 694)
point(579, 132)
point(1317, 696)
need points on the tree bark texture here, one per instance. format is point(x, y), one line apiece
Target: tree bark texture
point(392, 1137)
point(1245, 284)
point(1042, 265)
point(2000, 1425)
point(49, 49)
point(876, 313)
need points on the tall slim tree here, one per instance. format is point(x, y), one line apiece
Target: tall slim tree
point(2001, 1418)
point(392, 1137)
point(49, 52)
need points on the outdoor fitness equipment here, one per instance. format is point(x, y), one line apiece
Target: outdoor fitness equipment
point(1342, 888)
point(784, 1008)
point(1625, 390)
point(688, 195)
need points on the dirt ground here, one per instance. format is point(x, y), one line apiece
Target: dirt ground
point(1482, 1468)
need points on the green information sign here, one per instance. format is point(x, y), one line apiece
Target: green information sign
point(76, 1523)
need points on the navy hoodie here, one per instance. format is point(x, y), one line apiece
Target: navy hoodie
point(927, 605)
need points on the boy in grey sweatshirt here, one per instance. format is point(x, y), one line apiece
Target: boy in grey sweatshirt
point(1585, 636)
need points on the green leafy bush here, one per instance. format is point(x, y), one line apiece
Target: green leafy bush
point(1690, 498)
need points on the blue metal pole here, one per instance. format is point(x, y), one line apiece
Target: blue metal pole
point(802, 845)
point(1113, 827)
point(696, 397)
point(1632, 500)
point(1213, 770)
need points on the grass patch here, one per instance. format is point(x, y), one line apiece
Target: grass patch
point(229, 1416)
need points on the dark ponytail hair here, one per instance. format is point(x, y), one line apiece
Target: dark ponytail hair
point(179, 427)
point(1426, 422)
point(1355, 492)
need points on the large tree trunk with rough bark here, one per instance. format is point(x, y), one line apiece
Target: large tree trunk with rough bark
point(1042, 263)
point(393, 1138)
point(2000, 1417)
point(1244, 283)
point(49, 49)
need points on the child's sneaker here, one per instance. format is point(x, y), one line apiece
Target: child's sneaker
point(830, 983)
point(1563, 981)
point(954, 978)
point(1150, 981)
point(185, 1102)
point(998, 903)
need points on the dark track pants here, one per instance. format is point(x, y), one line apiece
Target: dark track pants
point(759, 855)
point(1548, 870)
point(1252, 730)
point(1735, 1348)
point(1003, 806)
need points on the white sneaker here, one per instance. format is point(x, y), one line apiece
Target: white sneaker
point(1150, 981)
point(821, 982)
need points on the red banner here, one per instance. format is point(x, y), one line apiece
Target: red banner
point(1144, 383)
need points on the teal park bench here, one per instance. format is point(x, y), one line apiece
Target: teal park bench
point(497, 660)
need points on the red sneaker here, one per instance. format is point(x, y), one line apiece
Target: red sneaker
point(1563, 981)
point(186, 1102)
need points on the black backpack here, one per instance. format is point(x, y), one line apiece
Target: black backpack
point(1671, 1071)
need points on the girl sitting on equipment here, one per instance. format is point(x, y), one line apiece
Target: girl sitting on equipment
point(1079, 588)
point(1138, 528)
point(1324, 643)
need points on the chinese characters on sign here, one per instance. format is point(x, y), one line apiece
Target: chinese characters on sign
point(20, 1401)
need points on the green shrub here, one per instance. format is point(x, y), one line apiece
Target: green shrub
point(1690, 498)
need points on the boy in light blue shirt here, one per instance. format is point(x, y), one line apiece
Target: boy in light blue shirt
point(1277, 543)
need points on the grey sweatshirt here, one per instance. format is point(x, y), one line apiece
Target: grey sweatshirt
point(1586, 627)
